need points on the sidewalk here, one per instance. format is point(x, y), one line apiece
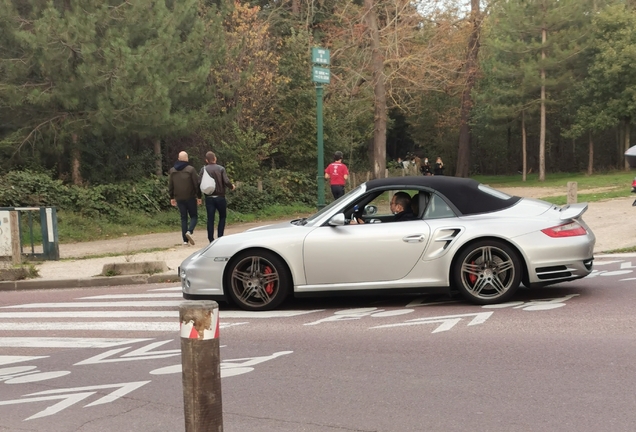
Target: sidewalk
point(77, 269)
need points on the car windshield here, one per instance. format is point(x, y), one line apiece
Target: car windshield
point(332, 205)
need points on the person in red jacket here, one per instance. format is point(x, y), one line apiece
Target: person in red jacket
point(337, 174)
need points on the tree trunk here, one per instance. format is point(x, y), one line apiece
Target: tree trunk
point(627, 140)
point(76, 174)
point(544, 37)
point(158, 158)
point(590, 159)
point(620, 139)
point(463, 152)
point(524, 145)
point(379, 91)
point(296, 7)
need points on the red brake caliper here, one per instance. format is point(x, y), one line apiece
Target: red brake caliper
point(471, 277)
point(269, 288)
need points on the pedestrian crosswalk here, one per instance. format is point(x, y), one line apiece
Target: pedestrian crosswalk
point(107, 320)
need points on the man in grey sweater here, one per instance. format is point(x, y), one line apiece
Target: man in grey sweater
point(216, 200)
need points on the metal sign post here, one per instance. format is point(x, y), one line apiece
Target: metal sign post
point(320, 76)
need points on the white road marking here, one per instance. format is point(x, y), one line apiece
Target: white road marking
point(616, 272)
point(37, 377)
point(59, 342)
point(129, 326)
point(131, 296)
point(266, 314)
point(73, 398)
point(172, 304)
point(598, 263)
point(447, 322)
point(95, 314)
point(150, 304)
point(143, 353)
point(5, 360)
point(229, 368)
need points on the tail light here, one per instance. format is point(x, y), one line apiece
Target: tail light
point(570, 229)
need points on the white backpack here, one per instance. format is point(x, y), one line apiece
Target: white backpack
point(208, 184)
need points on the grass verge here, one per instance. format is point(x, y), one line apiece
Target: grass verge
point(74, 227)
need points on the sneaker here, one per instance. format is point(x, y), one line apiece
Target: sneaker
point(189, 237)
point(186, 244)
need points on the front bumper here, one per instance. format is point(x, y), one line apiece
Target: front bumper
point(202, 276)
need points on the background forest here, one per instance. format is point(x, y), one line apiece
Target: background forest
point(103, 94)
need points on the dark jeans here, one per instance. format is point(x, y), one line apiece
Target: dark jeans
point(187, 207)
point(212, 204)
point(337, 191)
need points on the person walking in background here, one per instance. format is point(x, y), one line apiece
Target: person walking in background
point(337, 173)
point(438, 168)
point(215, 200)
point(425, 168)
point(183, 186)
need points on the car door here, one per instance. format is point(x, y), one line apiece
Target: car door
point(364, 253)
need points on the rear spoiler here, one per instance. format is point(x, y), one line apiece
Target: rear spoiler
point(572, 211)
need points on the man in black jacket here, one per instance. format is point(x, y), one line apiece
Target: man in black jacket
point(183, 185)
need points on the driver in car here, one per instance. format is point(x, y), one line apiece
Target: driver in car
point(400, 207)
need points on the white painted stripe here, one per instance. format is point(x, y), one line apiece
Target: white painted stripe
point(148, 314)
point(132, 296)
point(223, 313)
point(57, 342)
point(166, 289)
point(93, 314)
point(129, 326)
point(266, 314)
point(5, 360)
point(149, 304)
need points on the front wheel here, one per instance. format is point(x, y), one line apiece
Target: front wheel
point(257, 280)
point(487, 272)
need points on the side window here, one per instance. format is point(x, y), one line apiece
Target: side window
point(437, 209)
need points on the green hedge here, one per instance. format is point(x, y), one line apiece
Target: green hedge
point(150, 195)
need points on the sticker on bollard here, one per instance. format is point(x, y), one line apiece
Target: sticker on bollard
point(189, 329)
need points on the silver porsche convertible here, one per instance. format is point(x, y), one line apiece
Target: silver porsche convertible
point(449, 235)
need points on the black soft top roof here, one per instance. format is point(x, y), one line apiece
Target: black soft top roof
point(464, 193)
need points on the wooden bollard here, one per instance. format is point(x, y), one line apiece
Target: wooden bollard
point(16, 244)
point(201, 366)
point(572, 193)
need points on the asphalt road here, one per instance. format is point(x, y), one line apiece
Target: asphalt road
point(108, 359)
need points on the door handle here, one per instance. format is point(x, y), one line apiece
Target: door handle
point(417, 238)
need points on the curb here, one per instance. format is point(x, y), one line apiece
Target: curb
point(101, 281)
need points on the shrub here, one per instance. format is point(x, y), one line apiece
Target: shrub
point(28, 188)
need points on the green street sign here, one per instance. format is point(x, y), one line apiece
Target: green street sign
point(320, 56)
point(320, 75)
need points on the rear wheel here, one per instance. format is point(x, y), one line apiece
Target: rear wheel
point(258, 280)
point(487, 272)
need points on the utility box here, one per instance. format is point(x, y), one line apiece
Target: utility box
point(5, 234)
point(37, 228)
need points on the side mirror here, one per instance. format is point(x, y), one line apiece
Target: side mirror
point(370, 210)
point(337, 220)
